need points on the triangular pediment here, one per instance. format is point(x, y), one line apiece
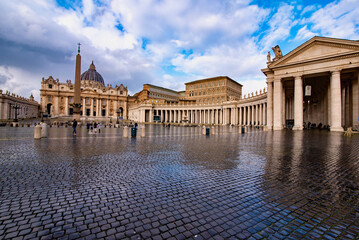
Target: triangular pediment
point(318, 48)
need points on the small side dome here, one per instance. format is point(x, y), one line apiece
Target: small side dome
point(92, 75)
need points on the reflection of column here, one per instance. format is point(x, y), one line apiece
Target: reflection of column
point(277, 104)
point(257, 115)
point(335, 95)
point(269, 104)
point(298, 103)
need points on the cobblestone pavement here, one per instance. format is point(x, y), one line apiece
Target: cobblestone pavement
point(178, 184)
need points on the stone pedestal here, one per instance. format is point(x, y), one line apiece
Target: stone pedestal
point(44, 130)
point(37, 132)
point(125, 131)
point(143, 131)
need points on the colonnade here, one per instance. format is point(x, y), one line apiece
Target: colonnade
point(336, 102)
point(247, 114)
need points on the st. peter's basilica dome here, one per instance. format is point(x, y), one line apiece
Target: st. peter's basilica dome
point(92, 75)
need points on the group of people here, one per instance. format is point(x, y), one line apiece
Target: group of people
point(91, 127)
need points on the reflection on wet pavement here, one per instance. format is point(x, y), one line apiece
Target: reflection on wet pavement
point(176, 182)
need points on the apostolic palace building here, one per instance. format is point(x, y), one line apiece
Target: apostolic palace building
point(315, 83)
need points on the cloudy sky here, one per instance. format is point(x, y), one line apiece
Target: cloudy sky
point(161, 42)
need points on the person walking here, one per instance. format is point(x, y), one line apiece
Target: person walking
point(74, 125)
point(99, 127)
point(95, 126)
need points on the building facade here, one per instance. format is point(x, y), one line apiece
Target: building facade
point(213, 90)
point(15, 107)
point(98, 102)
point(316, 84)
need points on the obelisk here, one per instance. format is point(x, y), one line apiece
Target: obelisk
point(77, 96)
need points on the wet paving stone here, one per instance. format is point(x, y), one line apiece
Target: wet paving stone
point(176, 183)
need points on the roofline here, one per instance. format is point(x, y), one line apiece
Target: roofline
point(306, 43)
point(214, 78)
point(160, 88)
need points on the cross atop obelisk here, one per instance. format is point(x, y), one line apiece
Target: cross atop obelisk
point(77, 93)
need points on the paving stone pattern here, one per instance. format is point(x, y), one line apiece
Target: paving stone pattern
point(178, 184)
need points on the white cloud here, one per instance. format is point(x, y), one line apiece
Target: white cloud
point(338, 19)
point(9, 81)
point(280, 25)
point(304, 33)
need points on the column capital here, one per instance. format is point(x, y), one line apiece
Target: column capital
point(298, 76)
point(335, 71)
point(277, 79)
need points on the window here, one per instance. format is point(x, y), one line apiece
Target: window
point(49, 98)
point(50, 85)
point(103, 103)
point(121, 92)
point(94, 101)
point(71, 99)
point(88, 102)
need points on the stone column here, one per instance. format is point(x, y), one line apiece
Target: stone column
point(244, 116)
point(240, 117)
point(220, 116)
point(298, 103)
point(336, 107)
point(66, 106)
point(151, 115)
point(277, 104)
point(107, 108)
point(83, 107)
point(355, 99)
point(264, 114)
point(91, 108)
point(269, 102)
point(260, 121)
point(116, 109)
point(209, 116)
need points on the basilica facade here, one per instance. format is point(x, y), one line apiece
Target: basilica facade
point(98, 101)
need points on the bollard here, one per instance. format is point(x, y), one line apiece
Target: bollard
point(125, 131)
point(213, 132)
point(143, 133)
point(37, 132)
point(44, 130)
